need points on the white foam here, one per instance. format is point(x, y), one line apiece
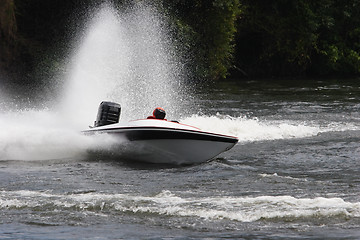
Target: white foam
point(3, 99)
point(42, 135)
point(243, 209)
point(275, 175)
point(252, 129)
point(126, 58)
point(255, 129)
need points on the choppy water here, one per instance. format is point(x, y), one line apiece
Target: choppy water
point(293, 175)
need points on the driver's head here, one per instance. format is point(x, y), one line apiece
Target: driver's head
point(159, 113)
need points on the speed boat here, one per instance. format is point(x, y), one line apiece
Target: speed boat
point(158, 140)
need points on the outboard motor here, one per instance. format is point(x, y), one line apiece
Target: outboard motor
point(108, 113)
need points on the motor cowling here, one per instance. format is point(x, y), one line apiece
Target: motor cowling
point(108, 113)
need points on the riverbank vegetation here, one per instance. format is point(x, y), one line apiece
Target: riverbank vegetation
point(223, 38)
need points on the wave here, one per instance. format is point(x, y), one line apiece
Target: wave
point(242, 209)
point(275, 175)
point(254, 129)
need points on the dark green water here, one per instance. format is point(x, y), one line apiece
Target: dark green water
point(293, 175)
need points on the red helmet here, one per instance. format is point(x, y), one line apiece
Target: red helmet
point(159, 113)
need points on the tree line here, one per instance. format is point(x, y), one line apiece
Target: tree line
point(223, 38)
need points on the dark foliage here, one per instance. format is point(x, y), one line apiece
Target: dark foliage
point(210, 26)
point(253, 38)
point(278, 38)
point(8, 30)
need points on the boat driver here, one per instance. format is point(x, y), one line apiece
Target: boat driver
point(158, 113)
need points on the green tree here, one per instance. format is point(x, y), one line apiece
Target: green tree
point(8, 29)
point(276, 37)
point(208, 28)
point(338, 48)
point(299, 38)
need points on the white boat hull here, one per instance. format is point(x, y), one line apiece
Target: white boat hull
point(177, 152)
point(157, 141)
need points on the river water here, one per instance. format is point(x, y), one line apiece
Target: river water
point(293, 175)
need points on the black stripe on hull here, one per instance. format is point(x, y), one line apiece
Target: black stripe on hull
point(151, 133)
